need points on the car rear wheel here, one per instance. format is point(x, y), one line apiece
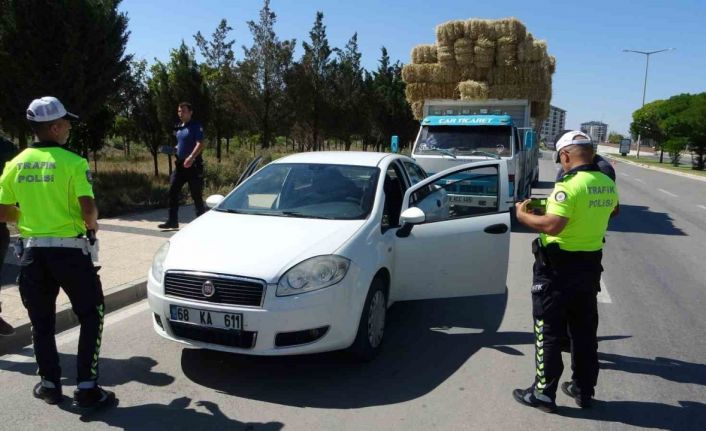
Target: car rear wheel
point(371, 328)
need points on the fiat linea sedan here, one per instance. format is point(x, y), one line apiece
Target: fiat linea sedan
point(307, 254)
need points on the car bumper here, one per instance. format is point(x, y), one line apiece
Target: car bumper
point(330, 308)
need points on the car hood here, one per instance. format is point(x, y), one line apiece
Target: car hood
point(262, 247)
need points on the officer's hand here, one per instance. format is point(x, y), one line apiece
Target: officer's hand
point(92, 226)
point(521, 209)
point(188, 162)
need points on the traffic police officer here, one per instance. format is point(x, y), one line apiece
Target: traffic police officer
point(188, 166)
point(56, 211)
point(567, 273)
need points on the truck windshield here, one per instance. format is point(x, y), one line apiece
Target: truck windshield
point(466, 140)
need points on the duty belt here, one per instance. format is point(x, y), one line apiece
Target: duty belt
point(81, 243)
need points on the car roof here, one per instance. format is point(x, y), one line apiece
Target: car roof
point(355, 158)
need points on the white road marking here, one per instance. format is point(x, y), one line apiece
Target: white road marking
point(603, 295)
point(639, 180)
point(703, 207)
point(668, 193)
point(624, 174)
point(27, 355)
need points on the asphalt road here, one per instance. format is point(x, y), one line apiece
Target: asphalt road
point(447, 364)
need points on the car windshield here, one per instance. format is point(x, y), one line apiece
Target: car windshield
point(466, 141)
point(323, 191)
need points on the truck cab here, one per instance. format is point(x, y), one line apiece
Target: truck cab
point(458, 132)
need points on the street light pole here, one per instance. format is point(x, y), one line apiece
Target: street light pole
point(644, 87)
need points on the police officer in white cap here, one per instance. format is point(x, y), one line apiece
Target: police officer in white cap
point(56, 215)
point(566, 274)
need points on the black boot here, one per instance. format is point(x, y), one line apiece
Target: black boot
point(529, 398)
point(571, 389)
point(49, 395)
point(169, 225)
point(93, 397)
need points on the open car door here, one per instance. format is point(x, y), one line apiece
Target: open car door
point(461, 245)
point(252, 167)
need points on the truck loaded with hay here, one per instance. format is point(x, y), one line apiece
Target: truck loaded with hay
point(479, 91)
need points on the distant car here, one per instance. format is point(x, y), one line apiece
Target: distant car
point(307, 253)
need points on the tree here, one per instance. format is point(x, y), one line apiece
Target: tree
point(615, 138)
point(348, 94)
point(187, 84)
point(646, 123)
point(316, 67)
point(263, 69)
point(391, 114)
point(681, 119)
point(685, 124)
point(218, 68)
point(71, 49)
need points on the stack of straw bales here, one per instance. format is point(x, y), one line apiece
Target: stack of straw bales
point(481, 59)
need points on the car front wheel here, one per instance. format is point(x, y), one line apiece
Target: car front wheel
point(371, 328)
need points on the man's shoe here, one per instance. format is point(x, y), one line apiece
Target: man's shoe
point(5, 328)
point(49, 395)
point(572, 390)
point(169, 225)
point(528, 398)
point(92, 398)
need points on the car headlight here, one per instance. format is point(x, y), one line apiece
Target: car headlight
point(158, 262)
point(313, 274)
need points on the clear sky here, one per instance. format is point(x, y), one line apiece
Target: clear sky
point(594, 80)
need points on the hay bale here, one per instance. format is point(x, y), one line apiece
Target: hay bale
point(417, 109)
point(448, 32)
point(522, 73)
point(506, 54)
point(480, 28)
point(510, 28)
point(463, 52)
point(538, 51)
point(424, 54)
point(524, 49)
point(473, 90)
point(551, 64)
point(445, 54)
point(429, 73)
point(484, 52)
point(471, 72)
point(421, 91)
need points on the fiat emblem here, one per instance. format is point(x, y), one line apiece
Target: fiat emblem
point(208, 289)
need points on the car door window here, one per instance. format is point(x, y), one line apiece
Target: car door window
point(394, 188)
point(467, 193)
point(415, 173)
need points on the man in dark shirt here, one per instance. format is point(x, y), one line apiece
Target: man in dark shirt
point(188, 166)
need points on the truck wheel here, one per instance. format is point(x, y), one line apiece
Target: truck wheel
point(371, 328)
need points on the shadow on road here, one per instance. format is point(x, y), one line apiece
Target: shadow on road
point(425, 343)
point(113, 372)
point(639, 219)
point(174, 416)
point(669, 369)
point(687, 416)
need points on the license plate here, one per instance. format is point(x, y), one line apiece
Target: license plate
point(211, 319)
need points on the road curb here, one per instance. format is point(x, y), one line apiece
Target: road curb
point(115, 298)
point(666, 171)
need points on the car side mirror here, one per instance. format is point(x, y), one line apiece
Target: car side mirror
point(214, 200)
point(408, 219)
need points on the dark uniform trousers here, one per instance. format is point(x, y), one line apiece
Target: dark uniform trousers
point(564, 289)
point(42, 271)
point(180, 176)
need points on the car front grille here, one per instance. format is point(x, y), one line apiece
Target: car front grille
point(223, 337)
point(227, 289)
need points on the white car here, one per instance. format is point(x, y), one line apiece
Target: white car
point(307, 254)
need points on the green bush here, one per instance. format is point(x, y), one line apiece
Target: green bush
point(120, 192)
point(675, 146)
